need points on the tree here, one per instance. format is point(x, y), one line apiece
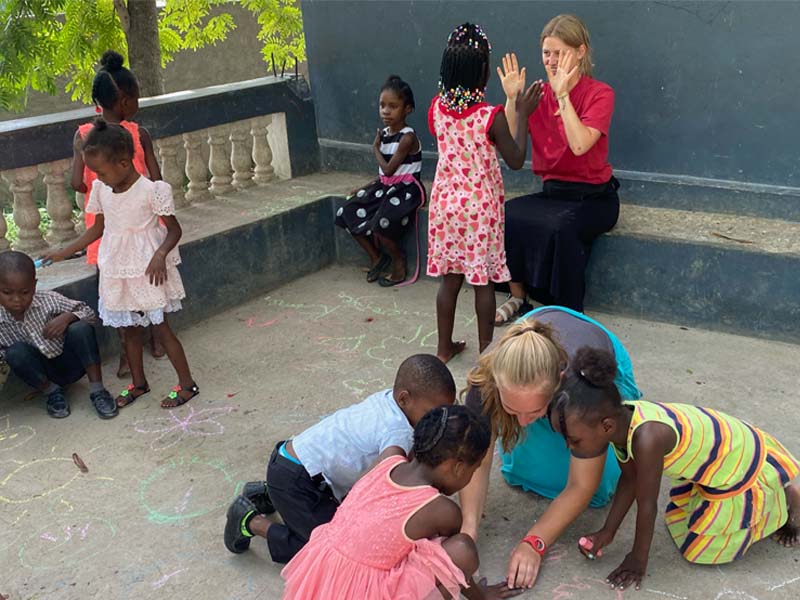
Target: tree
point(45, 44)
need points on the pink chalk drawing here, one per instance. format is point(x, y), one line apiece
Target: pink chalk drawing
point(172, 429)
point(251, 322)
point(579, 587)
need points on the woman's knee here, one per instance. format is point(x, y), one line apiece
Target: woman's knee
point(463, 552)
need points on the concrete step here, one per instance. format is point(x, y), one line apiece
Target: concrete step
point(724, 272)
point(733, 273)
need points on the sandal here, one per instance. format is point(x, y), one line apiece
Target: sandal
point(508, 310)
point(375, 272)
point(126, 398)
point(175, 396)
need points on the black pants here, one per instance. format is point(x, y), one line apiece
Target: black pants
point(35, 369)
point(549, 237)
point(303, 502)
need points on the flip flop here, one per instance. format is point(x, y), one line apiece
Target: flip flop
point(175, 395)
point(125, 397)
point(375, 272)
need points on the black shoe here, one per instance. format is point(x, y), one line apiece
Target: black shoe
point(256, 492)
point(104, 404)
point(57, 405)
point(235, 540)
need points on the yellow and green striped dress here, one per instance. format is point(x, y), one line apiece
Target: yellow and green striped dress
point(729, 478)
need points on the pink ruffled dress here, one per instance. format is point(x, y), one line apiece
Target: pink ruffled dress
point(131, 237)
point(364, 553)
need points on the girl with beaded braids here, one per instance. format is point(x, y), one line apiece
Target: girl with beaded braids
point(115, 93)
point(466, 219)
point(396, 535)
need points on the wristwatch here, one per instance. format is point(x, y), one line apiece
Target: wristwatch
point(538, 544)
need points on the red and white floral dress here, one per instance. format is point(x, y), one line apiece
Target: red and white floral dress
point(466, 216)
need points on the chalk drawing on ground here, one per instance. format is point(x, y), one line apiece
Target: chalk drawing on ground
point(172, 429)
point(186, 488)
point(13, 437)
point(67, 544)
point(24, 482)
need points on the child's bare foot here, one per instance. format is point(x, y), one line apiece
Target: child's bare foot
point(789, 534)
point(455, 348)
point(123, 370)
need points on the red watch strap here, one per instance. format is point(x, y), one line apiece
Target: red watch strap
point(538, 544)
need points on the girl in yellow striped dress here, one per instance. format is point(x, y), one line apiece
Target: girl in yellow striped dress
point(732, 481)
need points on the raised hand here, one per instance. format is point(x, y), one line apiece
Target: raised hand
point(527, 101)
point(630, 572)
point(511, 77)
point(566, 70)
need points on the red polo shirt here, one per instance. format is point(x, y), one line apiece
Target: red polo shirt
point(552, 159)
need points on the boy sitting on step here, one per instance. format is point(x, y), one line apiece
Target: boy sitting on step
point(47, 339)
point(309, 475)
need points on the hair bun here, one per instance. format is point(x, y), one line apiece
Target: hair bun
point(111, 61)
point(100, 124)
point(598, 367)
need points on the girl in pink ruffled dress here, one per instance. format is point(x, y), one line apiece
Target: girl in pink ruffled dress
point(138, 256)
point(396, 535)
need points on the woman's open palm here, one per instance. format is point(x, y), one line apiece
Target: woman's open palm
point(511, 76)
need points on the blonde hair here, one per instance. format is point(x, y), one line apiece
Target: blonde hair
point(571, 30)
point(529, 354)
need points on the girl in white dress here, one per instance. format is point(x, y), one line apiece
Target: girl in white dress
point(138, 256)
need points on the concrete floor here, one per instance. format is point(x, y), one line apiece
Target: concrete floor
point(146, 520)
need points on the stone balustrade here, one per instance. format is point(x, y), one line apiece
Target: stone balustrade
point(200, 163)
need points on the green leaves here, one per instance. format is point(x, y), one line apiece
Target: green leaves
point(50, 44)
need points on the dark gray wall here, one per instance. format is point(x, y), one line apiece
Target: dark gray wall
point(704, 89)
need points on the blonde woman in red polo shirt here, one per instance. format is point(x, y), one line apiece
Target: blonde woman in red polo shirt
point(549, 235)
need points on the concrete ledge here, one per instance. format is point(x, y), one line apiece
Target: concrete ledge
point(233, 249)
point(680, 192)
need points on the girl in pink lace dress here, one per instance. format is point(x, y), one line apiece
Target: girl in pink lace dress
point(138, 256)
point(466, 218)
point(396, 535)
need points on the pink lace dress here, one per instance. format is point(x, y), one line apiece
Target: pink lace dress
point(131, 236)
point(90, 176)
point(364, 553)
point(466, 217)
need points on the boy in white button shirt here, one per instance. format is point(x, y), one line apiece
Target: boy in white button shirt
point(308, 476)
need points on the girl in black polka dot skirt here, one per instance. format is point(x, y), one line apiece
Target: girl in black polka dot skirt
point(378, 214)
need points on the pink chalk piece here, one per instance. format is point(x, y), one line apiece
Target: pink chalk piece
point(585, 543)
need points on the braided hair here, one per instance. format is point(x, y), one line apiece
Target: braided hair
point(109, 139)
point(465, 67)
point(589, 391)
point(451, 432)
point(113, 80)
point(401, 88)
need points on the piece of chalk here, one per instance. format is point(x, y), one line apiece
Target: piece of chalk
point(42, 262)
point(585, 543)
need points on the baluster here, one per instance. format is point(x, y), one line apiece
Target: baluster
point(196, 169)
point(241, 161)
point(218, 162)
point(26, 215)
point(262, 153)
point(59, 204)
point(4, 245)
point(80, 200)
point(171, 171)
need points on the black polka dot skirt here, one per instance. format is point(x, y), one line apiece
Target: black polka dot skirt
point(383, 209)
